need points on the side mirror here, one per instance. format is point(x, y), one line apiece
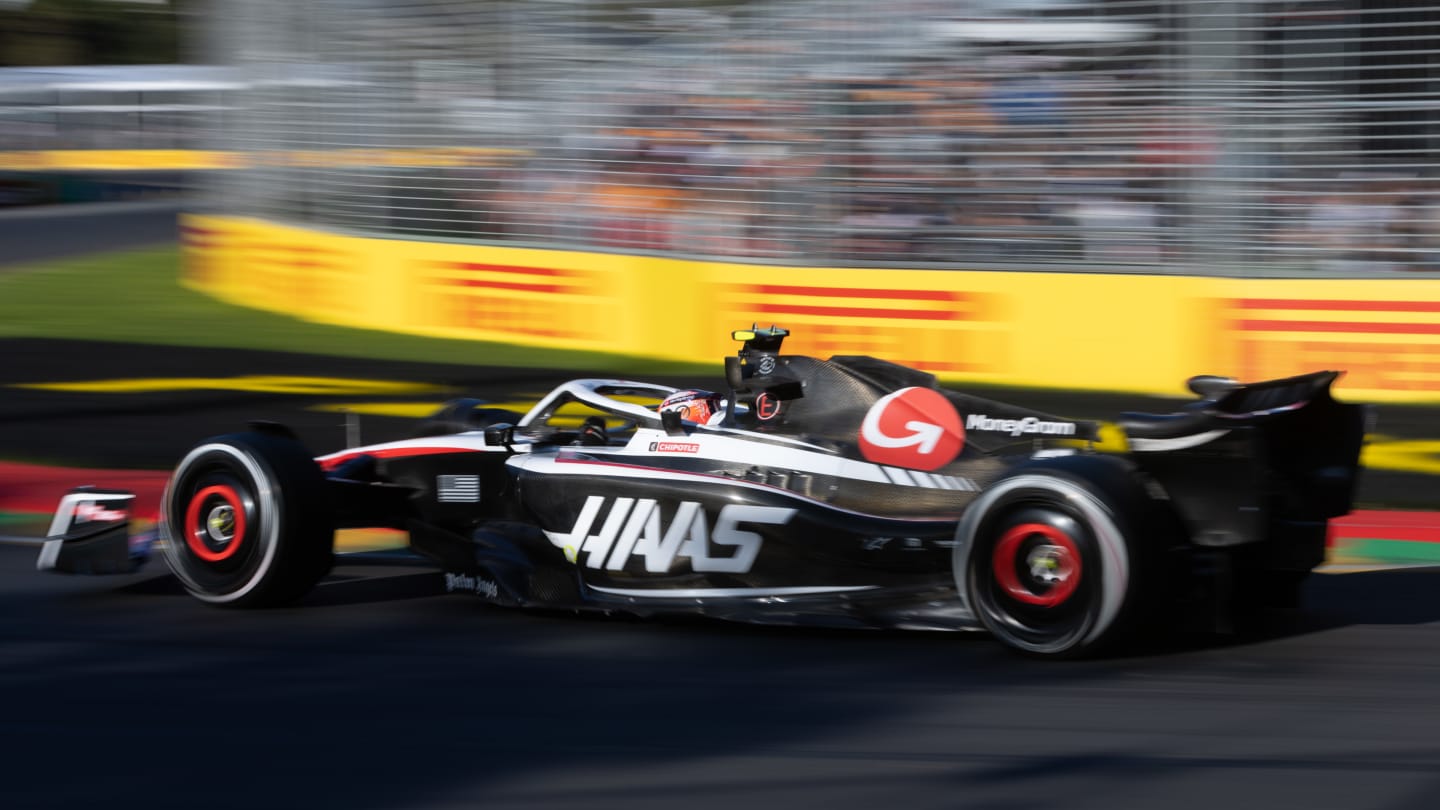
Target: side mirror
point(734, 373)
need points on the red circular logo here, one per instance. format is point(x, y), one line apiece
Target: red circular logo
point(913, 427)
point(766, 407)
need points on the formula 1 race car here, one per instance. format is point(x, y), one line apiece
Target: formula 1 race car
point(842, 492)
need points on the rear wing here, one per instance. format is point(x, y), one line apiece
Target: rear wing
point(1308, 438)
point(1250, 460)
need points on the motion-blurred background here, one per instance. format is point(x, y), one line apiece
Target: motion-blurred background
point(1255, 137)
point(1246, 188)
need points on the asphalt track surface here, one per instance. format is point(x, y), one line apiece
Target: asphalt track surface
point(378, 691)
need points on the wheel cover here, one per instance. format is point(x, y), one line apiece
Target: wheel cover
point(1052, 563)
point(1106, 577)
point(218, 464)
point(215, 523)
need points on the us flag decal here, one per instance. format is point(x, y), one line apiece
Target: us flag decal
point(457, 488)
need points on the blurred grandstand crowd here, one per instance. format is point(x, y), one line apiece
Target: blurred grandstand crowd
point(945, 167)
point(1293, 136)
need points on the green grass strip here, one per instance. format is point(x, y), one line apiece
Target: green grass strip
point(135, 297)
point(18, 517)
point(1401, 552)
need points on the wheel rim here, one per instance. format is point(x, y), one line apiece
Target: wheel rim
point(1099, 594)
point(219, 523)
point(1030, 583)
point(215, 523)
point(1037, 564)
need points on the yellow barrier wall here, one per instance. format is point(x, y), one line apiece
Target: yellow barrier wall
point(106, 160)
point(1071, 330)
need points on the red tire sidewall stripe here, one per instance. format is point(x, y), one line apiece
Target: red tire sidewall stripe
point(192, 518)
point(1003, 561)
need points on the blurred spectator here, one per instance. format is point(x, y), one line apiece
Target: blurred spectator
point(1419, 227)
point(1360, 227)
point(630, 203)
point(1028, 101)
point(1116, 228)
point(922, 130)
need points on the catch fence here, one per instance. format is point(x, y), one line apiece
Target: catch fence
point(1228, 137)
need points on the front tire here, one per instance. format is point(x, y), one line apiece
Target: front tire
point(247, 521)
point(1057, 559)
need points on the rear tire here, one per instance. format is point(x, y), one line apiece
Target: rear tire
point(247, 521)
point(1057, 560)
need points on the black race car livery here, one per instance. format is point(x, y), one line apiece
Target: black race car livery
point(846, 492)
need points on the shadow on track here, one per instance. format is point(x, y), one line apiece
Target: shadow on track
point(1380, 598)
point(1402, 597)
point(376, 693)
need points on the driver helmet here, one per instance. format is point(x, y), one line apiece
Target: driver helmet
point(694, 405)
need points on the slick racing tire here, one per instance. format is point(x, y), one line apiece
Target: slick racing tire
point(1057, 558)
point(247, 521)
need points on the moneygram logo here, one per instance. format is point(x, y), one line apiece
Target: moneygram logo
point(1029, 426)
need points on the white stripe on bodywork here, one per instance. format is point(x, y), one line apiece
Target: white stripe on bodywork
point(726, 447)
point(619, 467)
point(737, 450)
point(702, 593)
point(802, 459)
point(1177, 443)
point(471, 441)
point(898, 476)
